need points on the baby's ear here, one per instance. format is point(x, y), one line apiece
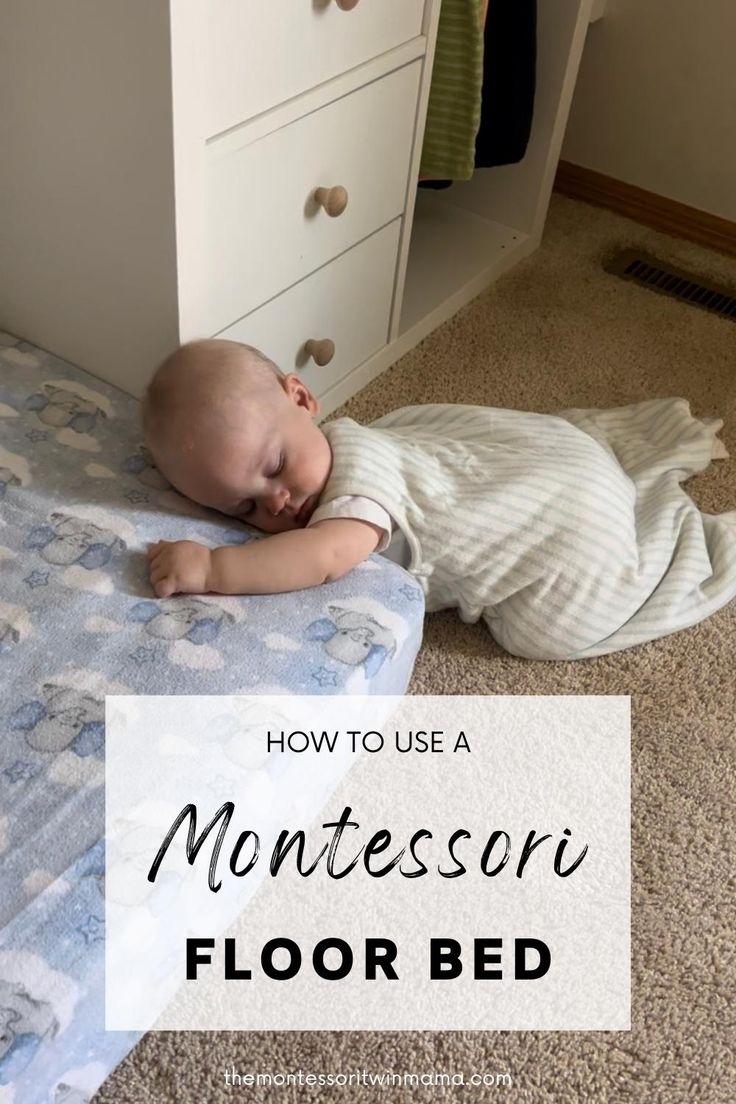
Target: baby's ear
point(299, 393)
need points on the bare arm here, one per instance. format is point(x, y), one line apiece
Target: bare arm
point(292, 560)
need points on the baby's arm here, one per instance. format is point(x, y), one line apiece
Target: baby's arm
point(292, 560)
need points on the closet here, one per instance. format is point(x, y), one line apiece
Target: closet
point(176, 170)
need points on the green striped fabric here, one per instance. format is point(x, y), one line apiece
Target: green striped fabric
point(453, 114)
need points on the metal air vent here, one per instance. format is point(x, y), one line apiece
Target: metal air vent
point(661, 277)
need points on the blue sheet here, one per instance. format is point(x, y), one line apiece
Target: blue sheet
point(79, 503)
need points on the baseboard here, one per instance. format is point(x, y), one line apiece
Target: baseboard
point(646, 207)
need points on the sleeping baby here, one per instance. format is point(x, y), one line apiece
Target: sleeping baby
point(569, 534)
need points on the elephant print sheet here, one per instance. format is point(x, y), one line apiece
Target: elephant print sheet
point(79, 503)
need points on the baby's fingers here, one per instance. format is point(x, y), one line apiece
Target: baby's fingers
point(164, 586)
point(155, 549)
point(157, 572)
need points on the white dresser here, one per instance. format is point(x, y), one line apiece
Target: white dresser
point(175, 169)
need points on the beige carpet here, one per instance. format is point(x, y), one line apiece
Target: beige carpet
point(560, 332)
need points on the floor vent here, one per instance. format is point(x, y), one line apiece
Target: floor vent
point(654, 274)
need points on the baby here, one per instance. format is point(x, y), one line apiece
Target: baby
point(230, 431)
point(568, 534)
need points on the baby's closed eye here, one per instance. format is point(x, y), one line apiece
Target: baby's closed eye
point(279, 466)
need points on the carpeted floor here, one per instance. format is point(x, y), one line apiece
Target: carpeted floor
point(559, 332)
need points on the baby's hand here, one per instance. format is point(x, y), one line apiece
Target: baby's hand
point(179, 567)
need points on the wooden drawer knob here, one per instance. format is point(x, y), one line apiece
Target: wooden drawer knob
point(334, 200)
point(346, 5)
point(322, 351)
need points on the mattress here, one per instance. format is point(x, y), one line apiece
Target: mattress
point(79, 503)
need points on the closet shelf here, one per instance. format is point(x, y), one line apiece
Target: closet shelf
point(453, 249)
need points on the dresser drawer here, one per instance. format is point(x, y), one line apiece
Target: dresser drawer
point(266, 231)
point(348, 302)
point(261, 53)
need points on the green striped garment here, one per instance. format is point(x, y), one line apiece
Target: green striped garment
point(453, 113)
point(569, 534)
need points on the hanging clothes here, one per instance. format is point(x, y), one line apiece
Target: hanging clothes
point(453, 112)
point(509, 78)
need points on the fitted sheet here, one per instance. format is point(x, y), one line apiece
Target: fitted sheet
point(79, 503)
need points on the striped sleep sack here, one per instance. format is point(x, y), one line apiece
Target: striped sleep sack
point(569, 534)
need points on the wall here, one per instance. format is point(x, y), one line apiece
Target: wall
point(655, 102)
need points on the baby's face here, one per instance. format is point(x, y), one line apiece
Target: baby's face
point(271, 474)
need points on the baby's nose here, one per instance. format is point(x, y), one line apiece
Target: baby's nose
point(275, 502)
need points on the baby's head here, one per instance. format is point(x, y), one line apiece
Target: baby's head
point(230, 431)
